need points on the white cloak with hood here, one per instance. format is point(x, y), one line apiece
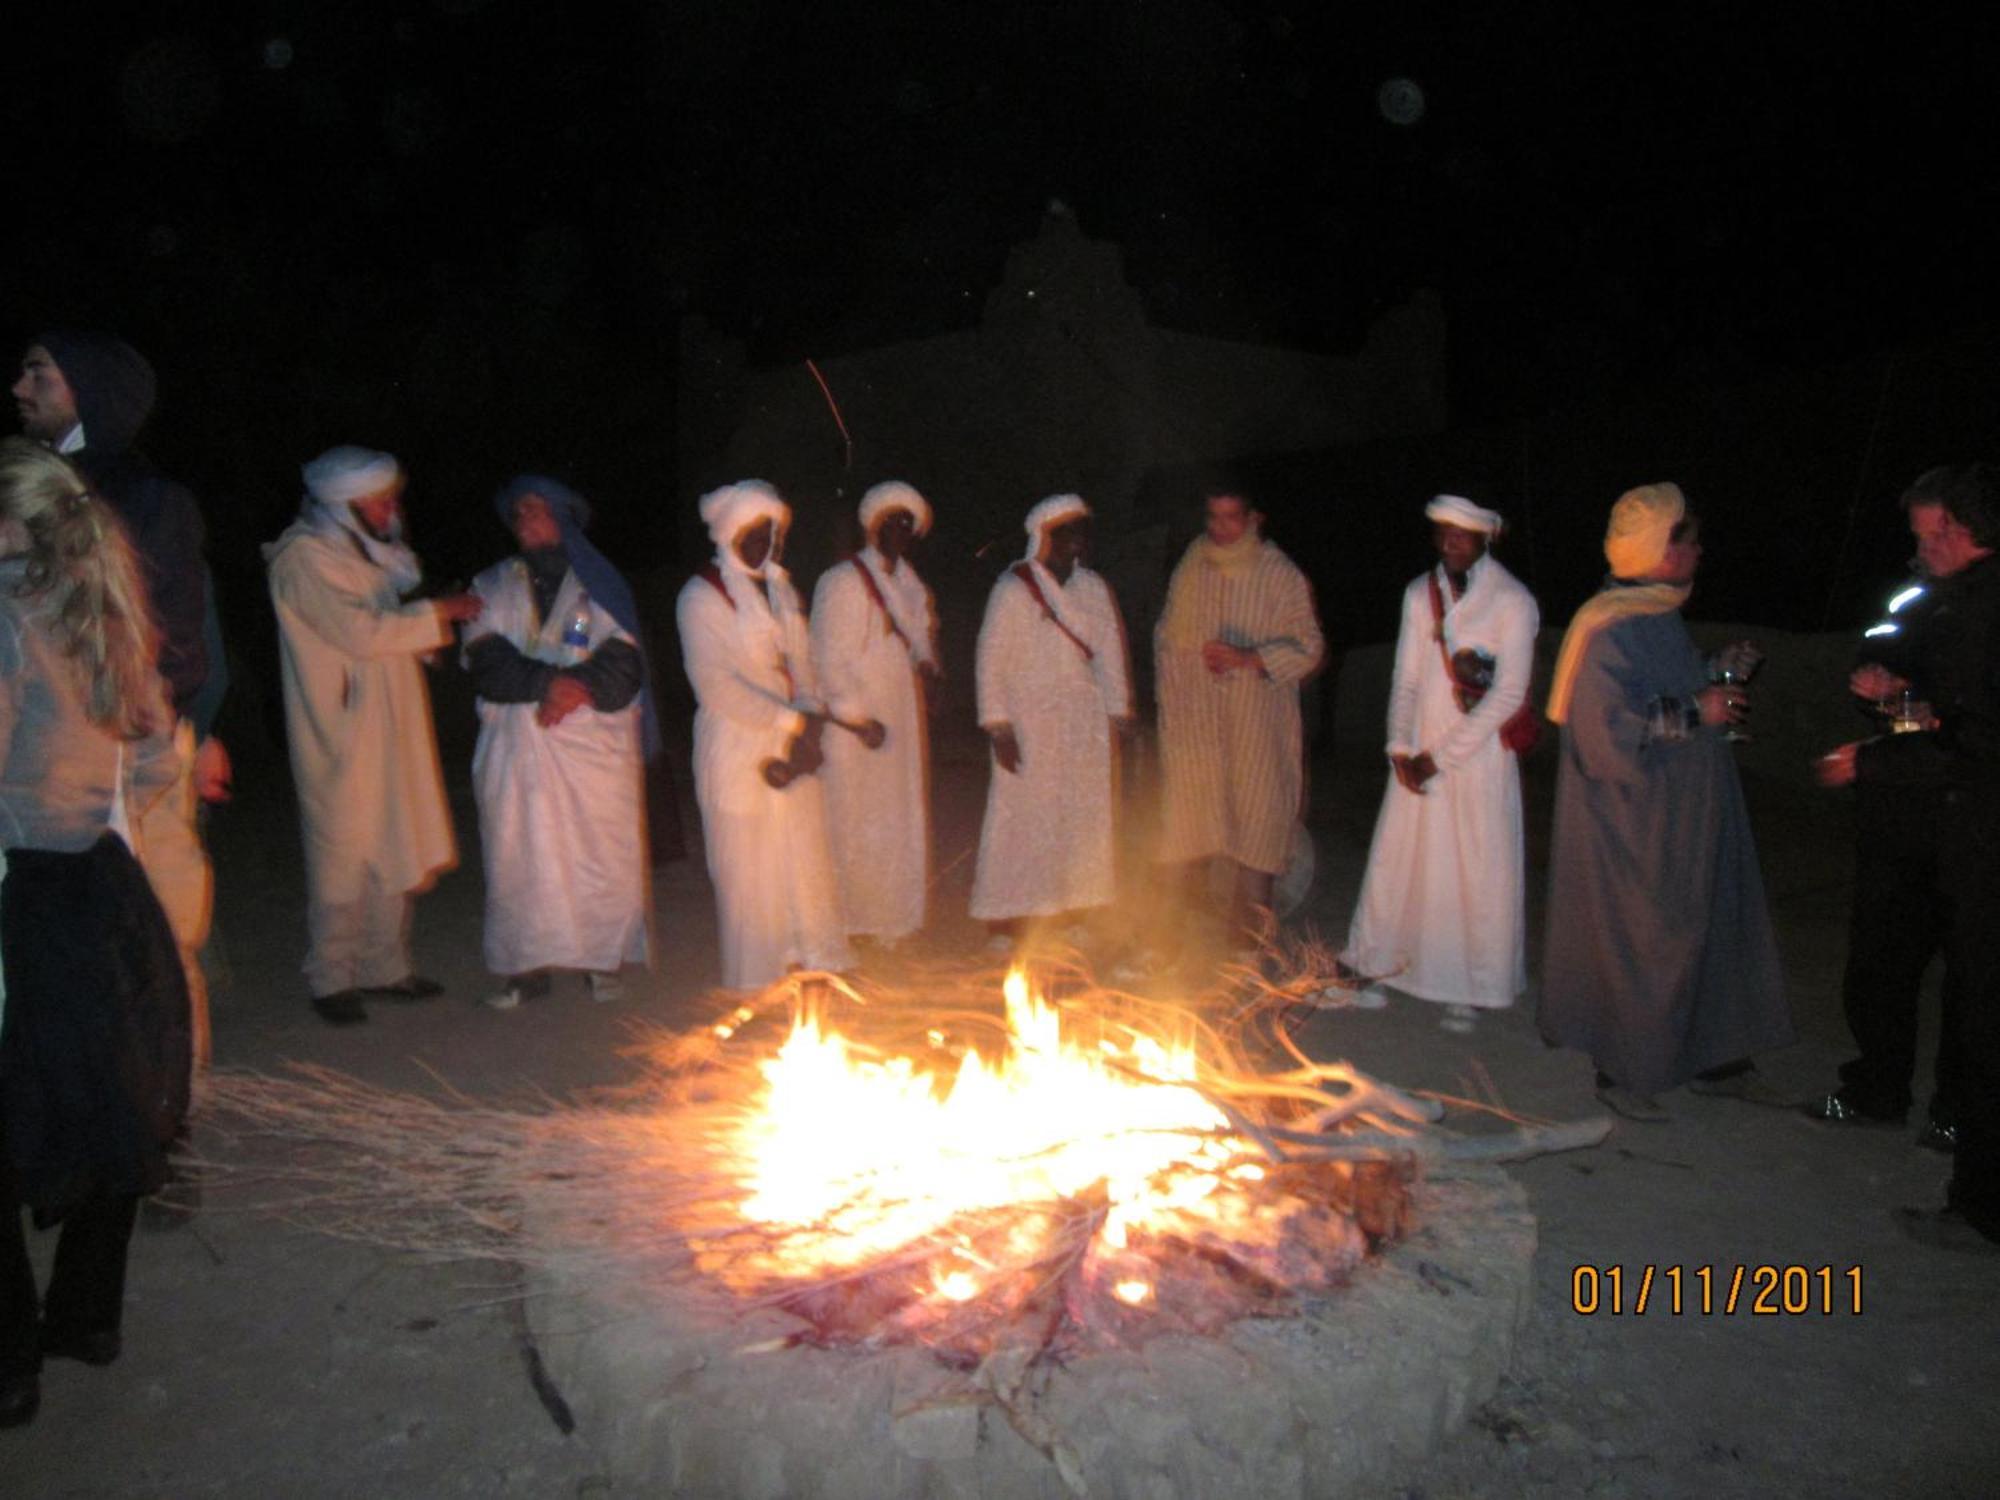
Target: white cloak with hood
point(1046, 846)
point(878, 801)
point(357, 711)
point(562, 811)
point(750, 662)
point(1442, 912)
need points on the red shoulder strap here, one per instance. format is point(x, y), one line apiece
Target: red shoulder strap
point(875, 592)
point(1437, 623)
point(1026, 574)
point(712, 575)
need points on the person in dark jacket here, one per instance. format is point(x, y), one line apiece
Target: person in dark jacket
point(1955, 517)
point(87, 396)
point(1897, 925)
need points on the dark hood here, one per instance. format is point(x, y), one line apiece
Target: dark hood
point(113, 386)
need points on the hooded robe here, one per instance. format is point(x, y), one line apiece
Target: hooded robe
point(867, 647)
point(749, 660)
point(1057, 676)
point(1659, 959)
point(1442, 912)
point(357, 710)
point(562, 817)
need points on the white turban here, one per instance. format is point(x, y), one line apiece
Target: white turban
point(343, 474)
point(1051, 512)
point(893, 494)
point(1456, 510)
point(730, 510)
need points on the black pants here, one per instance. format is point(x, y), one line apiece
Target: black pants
point(1897, 926)
point(86, 1288)
point(93, 1080)
point(1971, 871)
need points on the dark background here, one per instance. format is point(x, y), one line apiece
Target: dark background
point(1748, 246)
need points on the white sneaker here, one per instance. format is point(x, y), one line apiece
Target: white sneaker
point(605, 986)
point(1459, 1018)
point(1370, 997)
point(507, 999)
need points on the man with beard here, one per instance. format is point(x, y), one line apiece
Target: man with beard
point(353, 629)
point(555, 661)
point(1237, 637)
point(874, 632)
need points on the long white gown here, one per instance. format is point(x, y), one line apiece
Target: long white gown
point(561, 809)
point(1442, 909)
point(878, 801)
point(1047, 842)
point(358, 718)
point(751, 666)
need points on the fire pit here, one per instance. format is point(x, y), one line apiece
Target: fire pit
point(1335, 1400)
point(1071, 1270)
point(1089, 1249)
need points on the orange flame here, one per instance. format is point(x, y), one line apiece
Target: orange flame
point(853, 1158)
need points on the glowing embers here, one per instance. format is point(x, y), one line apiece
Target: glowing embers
point(1094, 1178)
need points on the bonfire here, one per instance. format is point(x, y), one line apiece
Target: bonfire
point(912, 1164)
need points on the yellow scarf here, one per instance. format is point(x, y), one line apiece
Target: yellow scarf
point(1181, 627)
point(1605, 608)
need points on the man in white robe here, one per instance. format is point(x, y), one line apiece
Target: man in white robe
point(555, 661)
point(1442, 911)
point(757, 734)
point(358, 717)
point(874, 631)
point(1053, 691)
point(1237, 637)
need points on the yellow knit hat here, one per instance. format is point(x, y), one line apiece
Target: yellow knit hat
point(1642, 524)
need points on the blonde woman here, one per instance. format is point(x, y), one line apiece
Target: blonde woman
point(94, 1039)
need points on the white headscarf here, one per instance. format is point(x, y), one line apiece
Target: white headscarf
point(1456, 510)
point(1050, 513)
point(893, 494)
point(732, 509)
point(347, 473)
point(336, 479)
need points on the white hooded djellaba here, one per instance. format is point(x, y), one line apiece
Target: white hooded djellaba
point(750, 662)
point(1442, 912)
point(873, 627)
point(562, 813)
point(1054, 670)
point(358, 719)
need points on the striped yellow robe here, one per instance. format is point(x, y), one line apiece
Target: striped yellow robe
point(1231, 747)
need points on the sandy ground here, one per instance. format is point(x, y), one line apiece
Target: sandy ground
point(264, 1360)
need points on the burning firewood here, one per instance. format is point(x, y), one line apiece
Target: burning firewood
point(1094, 1165)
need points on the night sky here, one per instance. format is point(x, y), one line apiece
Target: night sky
point(470, 231)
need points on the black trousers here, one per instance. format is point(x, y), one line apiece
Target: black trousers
point(1899, 923)
point(1971, 877)
point(86, 1288)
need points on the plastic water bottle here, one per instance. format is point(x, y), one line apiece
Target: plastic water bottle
point(576, 629)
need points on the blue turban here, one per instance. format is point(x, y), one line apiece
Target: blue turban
point(604, 583)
